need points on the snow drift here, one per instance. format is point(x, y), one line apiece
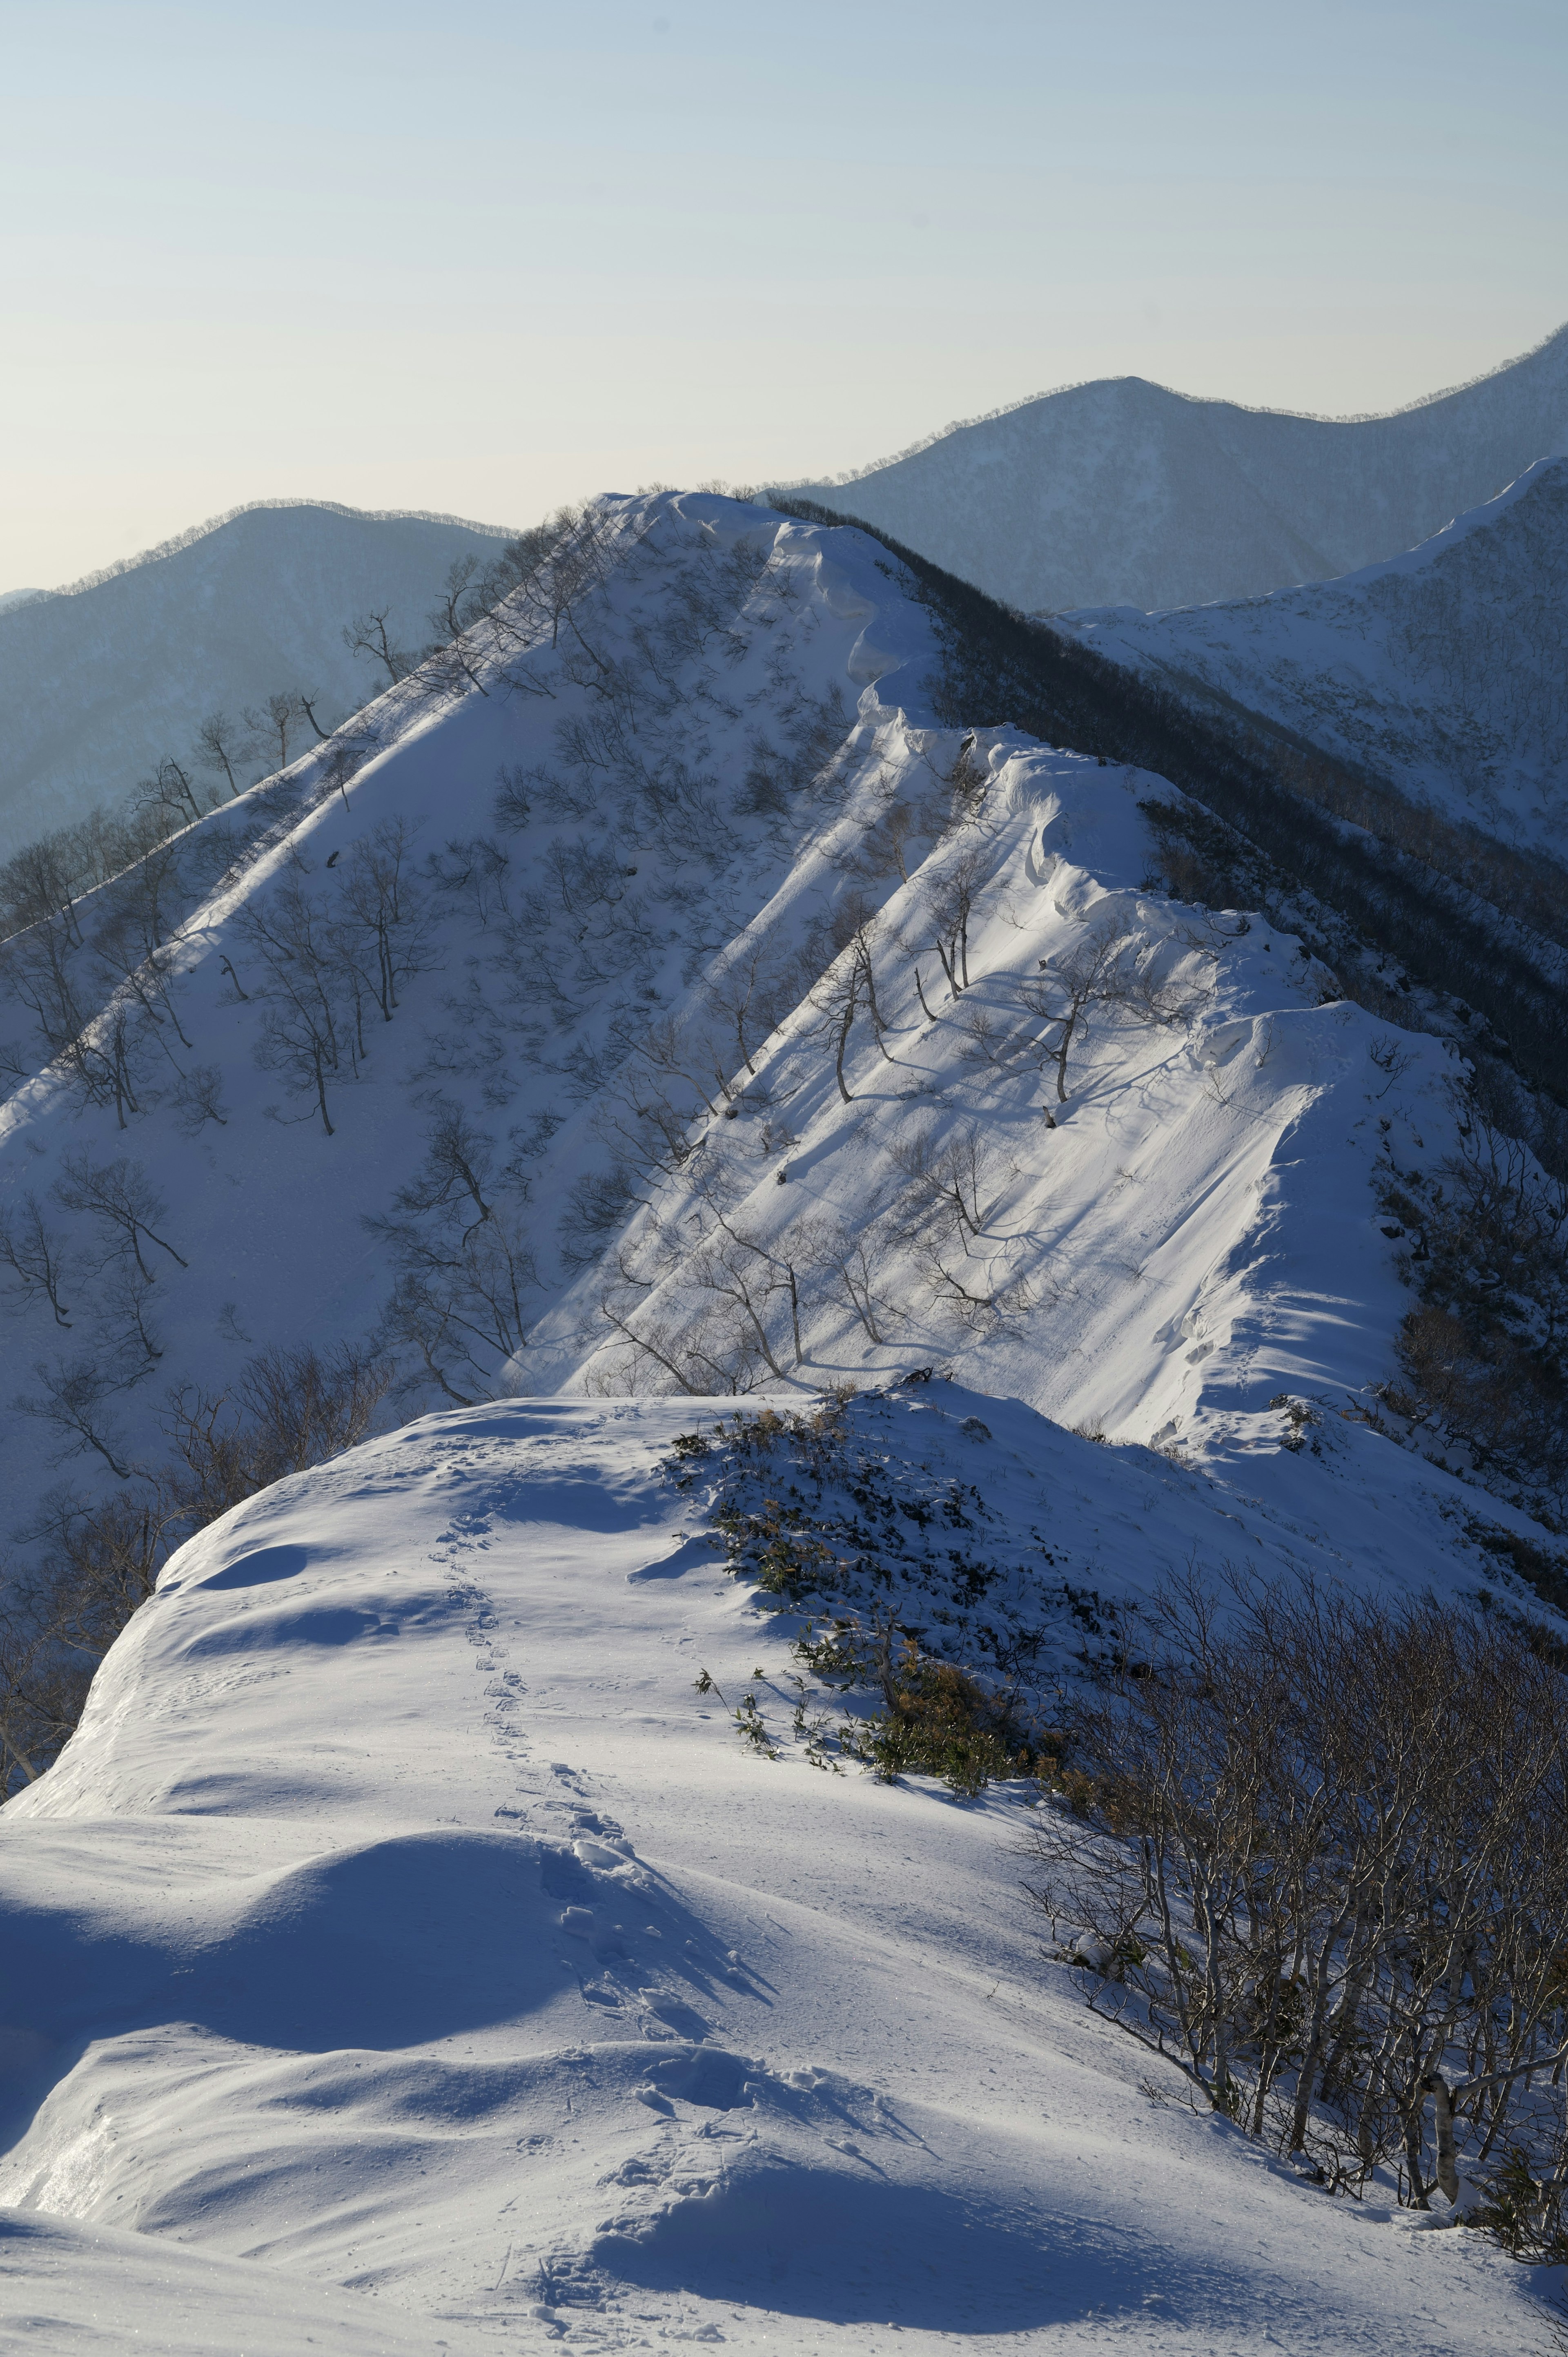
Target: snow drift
point(402, 1923)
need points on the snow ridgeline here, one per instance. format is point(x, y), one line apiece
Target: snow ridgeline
point(401, 1915)
point(1444, 670)
point(407, 1953)
point(1124, 492)
point(681, 1011)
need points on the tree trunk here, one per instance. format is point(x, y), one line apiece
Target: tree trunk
point(1443, 2123)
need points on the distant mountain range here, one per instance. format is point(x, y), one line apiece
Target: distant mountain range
point(1443, 672)
point(100, 681)
point(1122, 492)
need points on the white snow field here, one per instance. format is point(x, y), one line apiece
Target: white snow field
point(1444, 670)
point(1122, 492)
point(401, 1920)
point(99, 680)
point(404, 1953)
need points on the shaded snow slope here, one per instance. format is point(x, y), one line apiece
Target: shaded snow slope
point(683, 828)
point(1444, 670)
point(402, 1926)
point(100, 682)
point(1121, 492)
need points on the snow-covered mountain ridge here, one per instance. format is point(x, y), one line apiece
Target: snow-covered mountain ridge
point(1443, 669)
point(100, 681)
point(404, 1922)
point(620, 977)
point(665, 994)
point(1122, 492)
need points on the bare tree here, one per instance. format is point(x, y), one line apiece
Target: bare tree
point(458, 1233)
point(450, 660)
point(119, 1197)
point(851, 1258)
point(371, 635)
point(36, 1257)
point(170, 789)
point(848, 984)
point(220, 746)
point(274, 726)
point(73, 1398)
point(953, 906)
point(1105, 969)
point(747, 999)
point(382, 928)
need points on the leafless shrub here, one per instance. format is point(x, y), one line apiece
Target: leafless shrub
point(1306, 1849)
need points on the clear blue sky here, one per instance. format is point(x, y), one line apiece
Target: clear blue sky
point(488, 258)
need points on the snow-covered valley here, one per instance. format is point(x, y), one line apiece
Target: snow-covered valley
point(666, 1005)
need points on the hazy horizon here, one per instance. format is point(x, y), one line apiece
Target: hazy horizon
point(329, 255)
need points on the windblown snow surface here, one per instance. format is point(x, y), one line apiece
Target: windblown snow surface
point(1122, 492)
point(405, 1952)
point(100, 681)
point(1445, 670)
point(401, 1920)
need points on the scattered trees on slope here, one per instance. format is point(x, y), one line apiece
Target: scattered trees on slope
point(1307, 1848)
point(100, 1560)
point(1484, 1355)
point(1396, 875)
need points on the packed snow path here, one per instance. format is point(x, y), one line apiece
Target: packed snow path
point(406, 1955)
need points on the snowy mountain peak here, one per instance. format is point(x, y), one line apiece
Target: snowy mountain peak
point(1124, 492)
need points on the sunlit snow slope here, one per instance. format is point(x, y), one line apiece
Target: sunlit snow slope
point(628, 898)
point(406, 1954)
point(98, 682)
point(1121, 492)
point(1445, 670)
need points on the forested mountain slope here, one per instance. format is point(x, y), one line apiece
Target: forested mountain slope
point(1122, 492)
point(1444, 670)
point(102, 681)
